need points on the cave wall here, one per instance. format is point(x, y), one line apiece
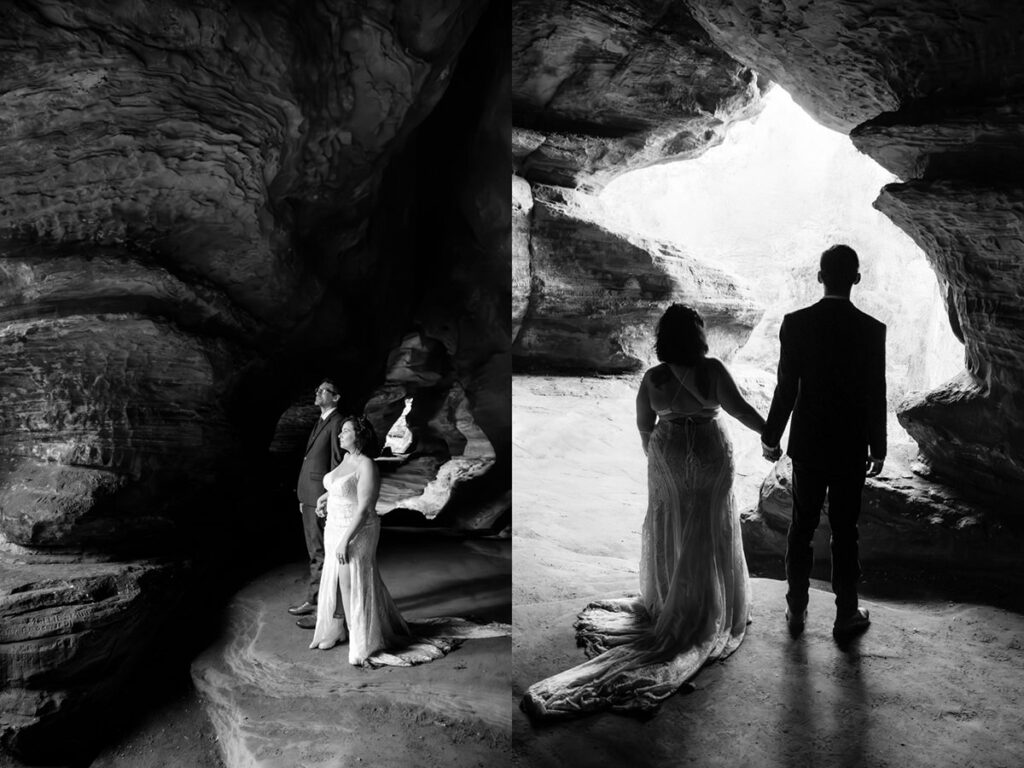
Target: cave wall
point(205, 208)
point(596, 296)
point(599, 89)
point(932, 91)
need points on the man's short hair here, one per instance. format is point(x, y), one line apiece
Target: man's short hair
point(839, 266)
point(334, 387)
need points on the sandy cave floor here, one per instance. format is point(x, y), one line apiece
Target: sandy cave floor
point(277, 703)
point(931, 682)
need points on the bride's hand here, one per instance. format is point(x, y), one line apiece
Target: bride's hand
point(343, 553)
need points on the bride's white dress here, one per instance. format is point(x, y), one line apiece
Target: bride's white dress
point(377, 633)
point(693, 581)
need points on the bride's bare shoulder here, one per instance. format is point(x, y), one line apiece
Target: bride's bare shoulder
point(657, 375)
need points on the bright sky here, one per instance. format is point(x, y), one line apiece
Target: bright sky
point(765, 203)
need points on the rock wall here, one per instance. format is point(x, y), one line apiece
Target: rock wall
point(599, 89)
point(595, 297)
point(934, 95)
point(204, 210)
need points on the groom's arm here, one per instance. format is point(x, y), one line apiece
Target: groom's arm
point(786, 387)
point(877, 405)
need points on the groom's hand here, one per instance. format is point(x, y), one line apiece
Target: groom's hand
point(874, 466)
point(771, 452)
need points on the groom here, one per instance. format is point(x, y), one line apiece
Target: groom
point(832, 379)
point(322, 455)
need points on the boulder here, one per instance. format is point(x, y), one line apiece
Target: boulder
point(908, 520)
point(71, 631)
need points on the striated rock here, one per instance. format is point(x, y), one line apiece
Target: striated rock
point(152, 228)
point(977, 137)
point(597, 297)
point(972, 430)
point(601, 88)
point(101, 418)
point(971, 435)
point(69, 638)
point(204, 211)
point(970, 232)
point(847, 61)
point(906, 520)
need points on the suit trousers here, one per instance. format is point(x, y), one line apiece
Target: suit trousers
point(313, 528)
point(844, 489)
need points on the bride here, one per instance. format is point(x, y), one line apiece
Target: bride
point(376, 632)
point(693, 576)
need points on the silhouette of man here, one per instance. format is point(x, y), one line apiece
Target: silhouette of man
point(832, 379)
point(322, 455)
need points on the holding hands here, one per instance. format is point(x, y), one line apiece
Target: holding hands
point(771, 452)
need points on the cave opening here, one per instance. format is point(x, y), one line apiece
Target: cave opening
point(762, 206)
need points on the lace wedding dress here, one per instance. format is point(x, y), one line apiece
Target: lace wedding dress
point(377, 633)
point(693, 580)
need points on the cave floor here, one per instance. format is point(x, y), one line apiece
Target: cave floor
point(926, 685)
point(265, 699)
point(932, 682)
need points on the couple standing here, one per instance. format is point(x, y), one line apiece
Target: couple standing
point(694, 584)
point(346, 599)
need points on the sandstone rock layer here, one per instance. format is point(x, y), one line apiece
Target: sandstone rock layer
point(204, 210)
point(600, 88)
point(596, 296)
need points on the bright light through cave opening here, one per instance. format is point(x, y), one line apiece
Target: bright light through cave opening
point(399, 437)
point(762, 206)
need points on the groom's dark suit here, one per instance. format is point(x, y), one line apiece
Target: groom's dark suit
point(832, 379)
point(322, 455)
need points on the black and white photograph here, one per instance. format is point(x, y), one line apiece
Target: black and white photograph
point(255, 415)
point(767, 353)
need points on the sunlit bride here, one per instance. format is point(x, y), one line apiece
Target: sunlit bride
point(693, 576)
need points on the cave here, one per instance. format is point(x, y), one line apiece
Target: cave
point(929, 93)
point(206, 209)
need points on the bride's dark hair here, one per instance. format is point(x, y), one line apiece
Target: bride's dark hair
point(680, 339)
point(364, 435)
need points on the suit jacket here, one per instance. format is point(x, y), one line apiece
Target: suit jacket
point(832, 379)
point(322, 455)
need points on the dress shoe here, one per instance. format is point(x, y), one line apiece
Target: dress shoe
point(302, 610)
point(306, 622)
point(851, 624)
point(796, 621)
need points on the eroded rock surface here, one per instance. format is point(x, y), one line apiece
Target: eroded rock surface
point(847, 61)
point(600, 88)
point(596, 296)
point(69, 643)
point(906, 521)
point(203, 212)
